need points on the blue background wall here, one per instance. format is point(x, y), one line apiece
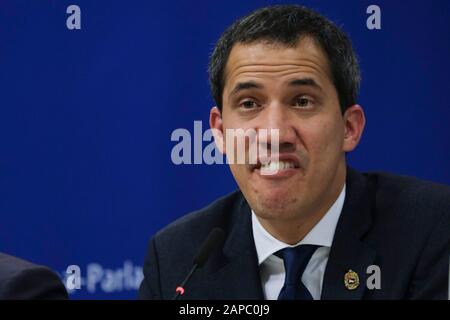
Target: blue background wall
point(86, 117)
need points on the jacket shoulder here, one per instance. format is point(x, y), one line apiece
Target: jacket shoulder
point(410, 203)
point(198, 224)
point(406, 189)
point(21, 279)
point(10, 266)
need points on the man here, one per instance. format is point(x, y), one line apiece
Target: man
point(315, 228)
point(22, 280)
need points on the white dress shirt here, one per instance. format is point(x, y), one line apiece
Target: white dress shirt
point(271, 267)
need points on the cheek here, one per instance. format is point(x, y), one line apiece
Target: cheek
point(232, 121)
point(241, 175)
point(323, 138)
point(233, 130)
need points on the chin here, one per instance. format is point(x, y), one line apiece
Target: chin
point(272, 206)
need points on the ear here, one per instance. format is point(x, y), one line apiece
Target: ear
point(216, 124)
point(354, 122)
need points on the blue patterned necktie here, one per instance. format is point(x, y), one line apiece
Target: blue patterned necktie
point(295, 261)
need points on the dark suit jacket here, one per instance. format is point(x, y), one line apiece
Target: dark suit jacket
point(401, 224)
point(20, 279)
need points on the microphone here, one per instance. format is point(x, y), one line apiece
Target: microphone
point(213, 242)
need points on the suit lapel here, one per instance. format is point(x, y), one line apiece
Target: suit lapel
point(234, 273)
point(348, 252)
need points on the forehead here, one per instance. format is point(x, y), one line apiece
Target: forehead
point(263, 59)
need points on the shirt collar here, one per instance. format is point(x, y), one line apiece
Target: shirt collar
point(322, 234)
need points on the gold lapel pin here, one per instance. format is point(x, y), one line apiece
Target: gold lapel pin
point(351, 280)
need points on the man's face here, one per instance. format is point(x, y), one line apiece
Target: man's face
point(269, 86)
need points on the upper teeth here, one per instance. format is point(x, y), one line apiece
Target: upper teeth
point(277, 165)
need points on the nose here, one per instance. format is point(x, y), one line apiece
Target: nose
point(276, 118)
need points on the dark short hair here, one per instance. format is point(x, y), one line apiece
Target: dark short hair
point(286, 24)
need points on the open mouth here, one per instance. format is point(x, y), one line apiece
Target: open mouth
point(275, 165)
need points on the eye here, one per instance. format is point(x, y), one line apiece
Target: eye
point(248, 104)
point(303, 101)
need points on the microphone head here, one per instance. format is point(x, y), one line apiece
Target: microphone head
point(213, 242)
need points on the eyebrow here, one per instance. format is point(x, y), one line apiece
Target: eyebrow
point(246, 85)
point(305, 82)
point(254, 85)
